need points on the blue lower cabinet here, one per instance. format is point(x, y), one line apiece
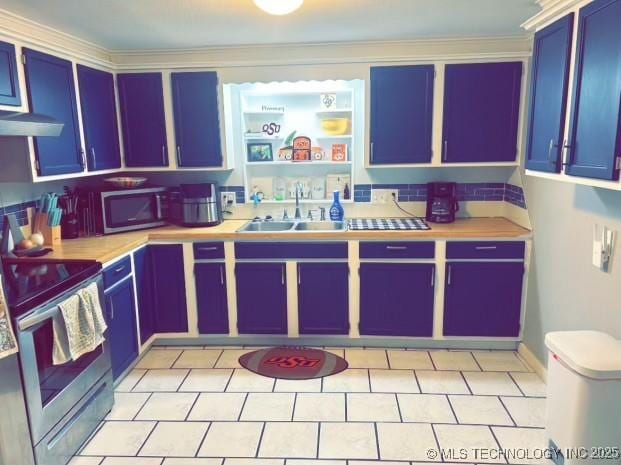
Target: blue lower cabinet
point(122, 335)
point(323, 298)
point(483, 299)
point(160, 282)
point(142, 275)
point(396, 299)
point(261, 298)
point(211, 300)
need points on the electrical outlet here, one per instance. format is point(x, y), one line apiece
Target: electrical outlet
point(227, 199)
point(383, 195)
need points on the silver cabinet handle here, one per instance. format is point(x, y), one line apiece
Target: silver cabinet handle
point(164, 154)
point(82, 158)
point(111, 309)
point(448, 278)
point(567, 147)
point(119, 269)
point(207, 249)
point(282, 275)
point(371, 152)
point(222, 274)
point(445, 151)
point(486, 247)
point(396, 247)
point(178, 156)
point(550, 147)
point(93, 156)
point(158, 207)
point(299, 275)
point(433, 275)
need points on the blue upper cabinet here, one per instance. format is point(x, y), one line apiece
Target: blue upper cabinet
point(197, 119)
point(51, 92)
point(595, 131)
point(101, 132)
point(401, 114)
point(548, 97)
point(9, 84)
point(481, 112)
point(141, 100)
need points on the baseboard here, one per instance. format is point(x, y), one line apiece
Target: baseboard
point(533, 361)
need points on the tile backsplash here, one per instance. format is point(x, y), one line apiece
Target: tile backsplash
point(465, 192)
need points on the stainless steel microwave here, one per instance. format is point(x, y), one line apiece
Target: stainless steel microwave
point(114, 211)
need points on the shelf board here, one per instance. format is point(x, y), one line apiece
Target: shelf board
point(302, 201)
point(257, 136)
point(259, 112)
point(335, 110)
point(296, 163)
point(343, 136)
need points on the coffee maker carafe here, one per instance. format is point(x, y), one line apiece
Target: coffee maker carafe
point(441, 202)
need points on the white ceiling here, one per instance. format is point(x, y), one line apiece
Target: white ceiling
point(170, 24)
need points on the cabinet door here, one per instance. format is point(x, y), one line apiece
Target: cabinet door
point(401, 114)
point(595, 132)
point(142, 115)
point(122, 326)
point(167, 274)
point(261, 298)
point(197, 119)
point(101, 133)
point(396, 299)
point(323, 298)
point(483, 299)
point(481, 112)
point(51, 92)
point(144, 286)
point(213, 315)
point(548, 96)
point(9, 84)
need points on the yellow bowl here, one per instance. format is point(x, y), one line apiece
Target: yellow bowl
point(335, 126)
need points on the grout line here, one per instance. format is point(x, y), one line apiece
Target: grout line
point(295, 400)
point(183, 380)
point(318, 438)
point(435, 435)
point(465, 382)
point(147, 438)
point(508, 412)
point(476, 361)
point(432, 361)
point(256, 455)
point(142, 406)
point(497, 442)
point(398, 407)
point(200, 444)
point(218, 357)
point(516, 383)
point(138, 380)
point(387, 359)
point(377, 443)
point(345, 403)
point(420, 389)
point(452, 409)
point(187, 415)
point(241, 410)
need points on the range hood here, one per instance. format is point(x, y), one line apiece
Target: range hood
point(14, 123)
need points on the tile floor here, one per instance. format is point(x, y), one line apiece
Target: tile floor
point(197, 406)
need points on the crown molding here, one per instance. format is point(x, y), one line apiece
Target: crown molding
point(551, 9)
point(31, 33)
point(451, 49)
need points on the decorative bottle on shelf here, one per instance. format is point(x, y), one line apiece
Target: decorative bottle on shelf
point(336, 210)
point(346, 192)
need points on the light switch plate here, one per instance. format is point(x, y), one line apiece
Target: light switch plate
point(383, 195)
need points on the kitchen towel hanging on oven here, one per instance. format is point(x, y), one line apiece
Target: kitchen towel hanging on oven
point(8, 345)
point(79, 326)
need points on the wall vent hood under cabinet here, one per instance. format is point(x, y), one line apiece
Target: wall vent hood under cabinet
point(28, 124)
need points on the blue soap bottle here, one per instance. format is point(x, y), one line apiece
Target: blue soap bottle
point(336, 210)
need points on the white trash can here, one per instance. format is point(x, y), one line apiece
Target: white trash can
point(583, 418)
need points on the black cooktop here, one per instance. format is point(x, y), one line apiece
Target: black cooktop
point(31, 282)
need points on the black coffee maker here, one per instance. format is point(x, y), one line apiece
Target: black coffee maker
point(441, 202)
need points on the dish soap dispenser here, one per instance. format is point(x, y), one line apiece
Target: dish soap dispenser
point(336, 210)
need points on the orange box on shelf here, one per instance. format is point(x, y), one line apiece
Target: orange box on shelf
point(339, 152)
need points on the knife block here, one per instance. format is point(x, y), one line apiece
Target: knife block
point(51, 234)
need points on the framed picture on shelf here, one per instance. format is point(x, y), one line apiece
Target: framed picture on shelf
point(339, 152)
point(259, 152)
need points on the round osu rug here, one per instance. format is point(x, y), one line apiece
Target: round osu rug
point(293, 362)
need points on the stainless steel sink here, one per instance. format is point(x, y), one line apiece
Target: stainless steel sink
point(293, 226)
point(317, 226)
point(267, 226)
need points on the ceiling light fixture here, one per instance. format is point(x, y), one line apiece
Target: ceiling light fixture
point(279, 7)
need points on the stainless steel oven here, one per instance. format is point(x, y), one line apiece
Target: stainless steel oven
point(65, 402)
point(112, 211)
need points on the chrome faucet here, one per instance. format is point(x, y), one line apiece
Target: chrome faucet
point(298, 191)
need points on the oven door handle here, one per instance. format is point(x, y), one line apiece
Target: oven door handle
point(34, 320)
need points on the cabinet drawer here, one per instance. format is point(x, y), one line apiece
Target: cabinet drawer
point(206, 250)
point(485, 249)
point(397, 249)
point(117, 271)
point(290, 250)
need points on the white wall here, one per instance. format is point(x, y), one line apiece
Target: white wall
point(565, 292)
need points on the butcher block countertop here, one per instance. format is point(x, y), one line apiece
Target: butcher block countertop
point(106, 248)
